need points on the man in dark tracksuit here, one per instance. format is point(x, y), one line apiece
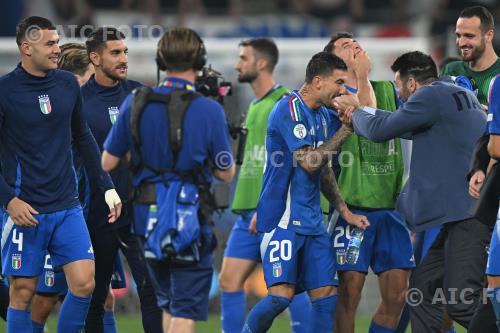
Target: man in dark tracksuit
point(102, 95)
point(444, 121)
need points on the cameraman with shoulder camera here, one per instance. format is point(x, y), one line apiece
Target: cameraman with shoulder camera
point(174, 135)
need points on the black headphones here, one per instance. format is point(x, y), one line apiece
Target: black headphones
point(199, 60)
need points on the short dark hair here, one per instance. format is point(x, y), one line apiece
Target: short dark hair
point(484, 15)
point(74, 61)
point(330, 47)
point(416, 64)
point(25, 28)
point(323, 63)
point(266, 48)
point(97, 39)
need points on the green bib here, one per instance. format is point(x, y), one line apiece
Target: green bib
point(375, 176)
point(249, 182)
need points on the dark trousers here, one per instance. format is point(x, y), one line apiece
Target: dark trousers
point(451, 276)
point(106, 245)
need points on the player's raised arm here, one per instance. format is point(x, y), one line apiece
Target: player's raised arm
point(313, 160)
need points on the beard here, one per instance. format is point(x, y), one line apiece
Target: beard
point(247, 77)
point(475, 53)
point(111, 72)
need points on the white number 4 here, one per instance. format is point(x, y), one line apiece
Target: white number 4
point(18, 239)
point(284, 248)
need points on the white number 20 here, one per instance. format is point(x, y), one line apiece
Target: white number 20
point(17, 238)
point(284, 248)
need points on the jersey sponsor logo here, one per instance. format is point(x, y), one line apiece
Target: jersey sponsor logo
point(300, 131)
point(296, 222)
point(341, 256)
point(277, 269)
point(113, 113)
point(16, 261)
point(49, 278)
point(44, 102)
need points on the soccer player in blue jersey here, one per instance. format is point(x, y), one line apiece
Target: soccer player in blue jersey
point(256, 62)
point(102, 95)
point(296, 251)
point(40, 116)
point(493, 266)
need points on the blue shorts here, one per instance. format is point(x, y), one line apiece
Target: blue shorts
point(305, 261)
point(51, 282)
point(183, 291)
point(386, 244)
point(63, 234)
point(118, 278)
point(493, 266)
point(424, 241)
point(241, 243)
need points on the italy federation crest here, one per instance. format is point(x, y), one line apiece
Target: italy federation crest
point(49, 278)
point(44, 102)
point(341, 257)
point(277, 269)
point(113, 113)
point(16, 261)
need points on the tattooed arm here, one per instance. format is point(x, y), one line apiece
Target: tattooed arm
point(312, 160)
point(330, 190)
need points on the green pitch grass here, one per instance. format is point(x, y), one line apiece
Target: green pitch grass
point(132, 324)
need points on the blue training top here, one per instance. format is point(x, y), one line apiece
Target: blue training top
point(100, 108)
point(39, 119)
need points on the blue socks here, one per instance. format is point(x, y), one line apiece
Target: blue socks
point(494, 296)
point(375, 328)
point(233, 311)
point(323, 314)
point(451, 330)
point(73, 313)
point(300, 312)
point(37, 328)
point(18, 321)
point(109, 322)
point(263, 313)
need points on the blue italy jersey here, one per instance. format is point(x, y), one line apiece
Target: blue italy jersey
point(39, 119)
point(494, 106)
point(290, 197)
point(100, 108)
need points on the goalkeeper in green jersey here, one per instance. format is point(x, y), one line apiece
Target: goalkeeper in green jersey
point(474, 36)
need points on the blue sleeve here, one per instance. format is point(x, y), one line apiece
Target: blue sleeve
point(220, 145)
point(118, 143)
point(293, 130)
point(87, 146)
point(415, 114)
point(7, 193)
point(494, 107)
